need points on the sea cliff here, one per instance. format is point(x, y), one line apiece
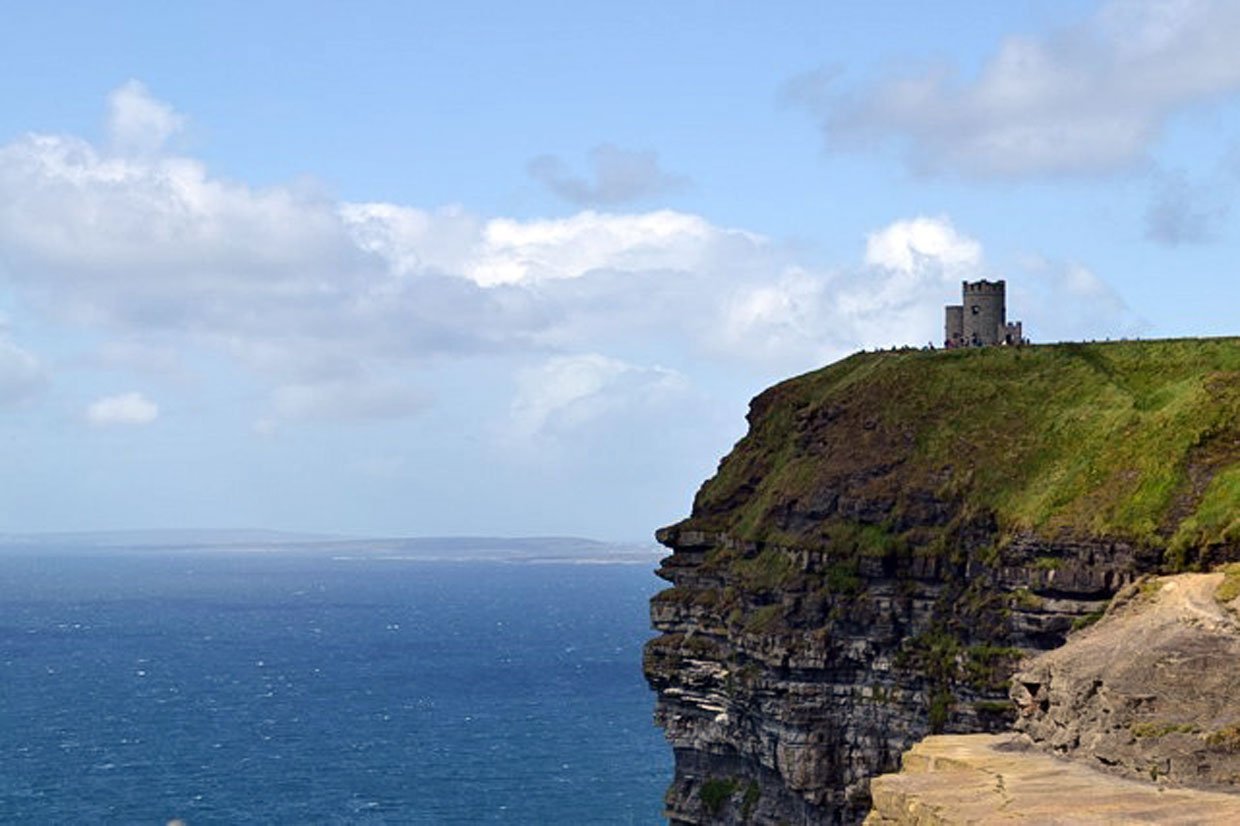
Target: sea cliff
point(898, 530)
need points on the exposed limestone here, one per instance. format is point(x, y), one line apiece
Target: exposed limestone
point(1151, 691)
point(982, 778)
point(896, 532)
point(799, 699)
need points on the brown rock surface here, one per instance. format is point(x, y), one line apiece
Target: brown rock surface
point(984, 778)
point(897, 532)
point(1152, 691)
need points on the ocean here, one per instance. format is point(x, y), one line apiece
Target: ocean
point(269, 688)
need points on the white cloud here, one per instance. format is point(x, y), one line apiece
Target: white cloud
point(124, 409)
point(137, 122)
point(156, 242)
point(565, 393)
point(335, 307)
point(786, 320)
point(922, 243)
point(620, 176)
point(410, 240)
point(1066, 301)
point(1088, 99)
point(508, 251)
point(531, 251)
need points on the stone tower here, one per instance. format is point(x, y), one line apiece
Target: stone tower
point(981, 319)
point(953, 331)
point(984, 312)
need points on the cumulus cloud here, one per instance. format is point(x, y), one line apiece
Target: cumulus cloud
point(922, 243)
point(910, 269)
point(335, 308)
point(123, 409)
point(893, 296)
point(1087, 99)
point(565, 393)
point(158, 243)
point(619, 176)
point(308, 293)
point(505, 251)
point(1066, 301)
point(785, 320)
point(137, 122)
point(526, 251)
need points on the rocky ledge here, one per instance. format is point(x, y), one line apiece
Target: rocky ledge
point(898, 531)
point(1152, 691)
point(987, 778)
point(1135, 720)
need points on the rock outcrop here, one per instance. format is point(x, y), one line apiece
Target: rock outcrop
point(1152, 692)
point(999, 778)
point(1135, 719)
point(897, 531)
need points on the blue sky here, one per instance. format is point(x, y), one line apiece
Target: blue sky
point(517, 268)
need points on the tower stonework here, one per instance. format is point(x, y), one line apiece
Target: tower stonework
point(953, 327)
point(985, 312)
point(980, 320)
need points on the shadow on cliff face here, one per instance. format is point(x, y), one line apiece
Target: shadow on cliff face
point(897, 530)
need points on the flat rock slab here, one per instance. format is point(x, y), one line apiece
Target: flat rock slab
point(1151, 692)
point(985, 778)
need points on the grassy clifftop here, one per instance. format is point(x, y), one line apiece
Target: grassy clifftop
point(1138, 440)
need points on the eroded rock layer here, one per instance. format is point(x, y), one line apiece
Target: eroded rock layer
point(795, 695)
point(978, 778)
point(1153, 691)
point(897, 530)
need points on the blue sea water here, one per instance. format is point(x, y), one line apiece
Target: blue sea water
point(235, 688)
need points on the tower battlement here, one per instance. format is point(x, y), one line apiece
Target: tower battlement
point(984, 287)
point(980, 320)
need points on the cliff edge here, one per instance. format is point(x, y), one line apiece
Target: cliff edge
point(1152, 691)
point(1135, 719)
point(954, 779)
point(898, 530)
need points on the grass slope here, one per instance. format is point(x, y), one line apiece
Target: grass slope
point(1133, 439)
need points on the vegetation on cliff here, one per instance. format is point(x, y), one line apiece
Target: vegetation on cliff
point(899, 529)
point(1137, 440)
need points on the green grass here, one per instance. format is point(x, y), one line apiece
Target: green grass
point(753, 793)
point(1217, 517)
point(769, 570)
point(1130, 439)
point(1229, 588)
point(715, 793)
point(1087, 620)
point(764, 619)
point(1225, 739)
point(1157, 728)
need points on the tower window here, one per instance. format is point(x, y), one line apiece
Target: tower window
point(975, 309)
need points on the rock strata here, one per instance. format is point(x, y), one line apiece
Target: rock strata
point(797, 698)
point(980, 778)
point(1150, 692)
point(897, 532)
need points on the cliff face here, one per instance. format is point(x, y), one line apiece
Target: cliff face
point(1150, 692)
point(999, 778)
point(1142, 705)
point(897, 530)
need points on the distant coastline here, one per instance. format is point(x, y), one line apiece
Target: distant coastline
point(527, 550)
